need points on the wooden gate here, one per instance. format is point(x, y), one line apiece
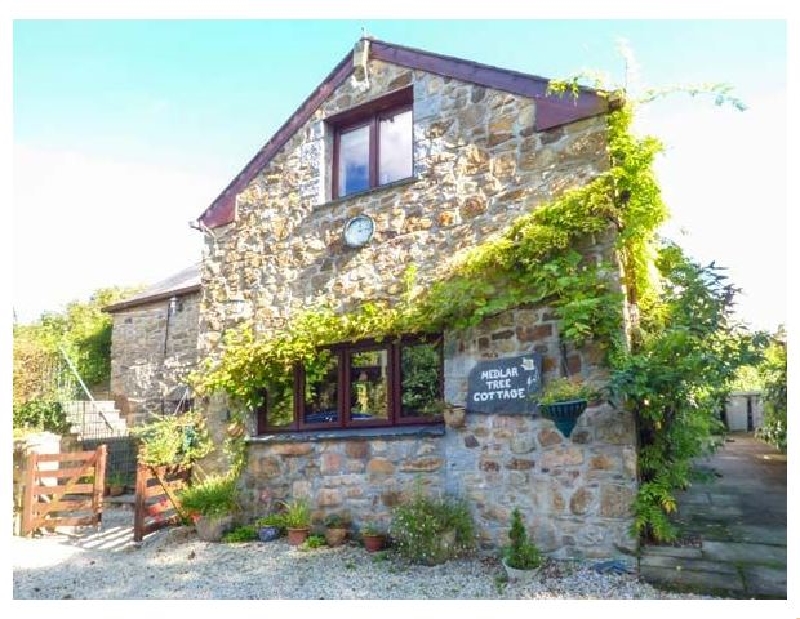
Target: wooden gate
point(157, 504)
point(61, 488)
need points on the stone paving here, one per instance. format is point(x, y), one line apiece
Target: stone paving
point(739, 522)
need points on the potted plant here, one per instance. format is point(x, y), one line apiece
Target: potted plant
point(521, 559)
point(116, 484)
point(374, 539)
point(270, 527)
point(211, 504)
point(297, 517)
point(563, 400)
point(335, 530)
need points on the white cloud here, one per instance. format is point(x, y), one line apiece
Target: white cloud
point(81, 223)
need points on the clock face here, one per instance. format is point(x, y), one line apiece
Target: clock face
point(358, 231)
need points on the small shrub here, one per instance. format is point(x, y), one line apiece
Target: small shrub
point(272, 520)
point(297, 514)
point(46, 415)
point(246, 533)
point(430, 531)
point(174, 439)
point(521, 554)
point(312, 542)
point(335, 521)
point(215, 496)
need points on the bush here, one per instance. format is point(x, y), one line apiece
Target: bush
point(215, 496)
point(47, 415)
point(421, 526)
point(521, 554)
point(246, 533)
point(174, 439)
point(297, 514)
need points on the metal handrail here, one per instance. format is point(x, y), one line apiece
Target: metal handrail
point(86, 391)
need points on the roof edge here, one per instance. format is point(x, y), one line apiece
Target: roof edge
point(222, 209)
point(123, 305)
point(552, 110)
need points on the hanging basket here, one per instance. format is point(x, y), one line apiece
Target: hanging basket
point(564, 414)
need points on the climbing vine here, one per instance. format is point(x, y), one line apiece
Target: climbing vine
point(683, 347)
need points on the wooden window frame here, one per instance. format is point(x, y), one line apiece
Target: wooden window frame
point(344, 353)
point(370, 115)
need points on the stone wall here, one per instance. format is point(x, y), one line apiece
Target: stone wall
point(150, 362)
point(361, 478)
point(478, 165)
point(575, 493)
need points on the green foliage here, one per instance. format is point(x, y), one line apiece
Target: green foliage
point(272, 520)
point(174, 439)
point(116, 478)
point(688, 350)
point(335, 521)
point(214, 496)
point(83, 330)
point(48, 416)
point(747, 378)
point(371, 529)
point(297, 514)
point(420, 527)
point(312, 542)
point(566, 389)
point(521, 553)
point(773, 372)
point(245, 533)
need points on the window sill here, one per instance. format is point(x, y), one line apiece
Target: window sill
point(368, 192)
point(353, 434)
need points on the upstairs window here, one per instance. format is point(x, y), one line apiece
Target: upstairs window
point(373, 144)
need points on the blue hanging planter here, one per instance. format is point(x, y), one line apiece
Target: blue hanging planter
point(564, 414)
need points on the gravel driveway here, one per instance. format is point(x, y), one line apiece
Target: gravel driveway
point(175, 564)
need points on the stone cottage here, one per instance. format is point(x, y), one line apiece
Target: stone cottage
point(404, 157)
point(154, 346)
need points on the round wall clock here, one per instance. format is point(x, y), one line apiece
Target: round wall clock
point(358, 231)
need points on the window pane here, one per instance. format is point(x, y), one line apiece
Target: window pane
point(354, 161)
point(322, 389)
point(369, 385)
point(395, 148)
point(280, 402)
point(420, 380)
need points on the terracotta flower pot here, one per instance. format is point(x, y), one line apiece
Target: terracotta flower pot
point(115, 490)
point(297, 536)
point(373, 542)
point(335, 537)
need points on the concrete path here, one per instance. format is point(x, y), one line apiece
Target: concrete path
point(735, 527)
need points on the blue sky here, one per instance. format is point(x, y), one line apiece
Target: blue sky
point(126, 130)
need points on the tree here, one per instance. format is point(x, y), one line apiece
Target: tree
point(83, 330)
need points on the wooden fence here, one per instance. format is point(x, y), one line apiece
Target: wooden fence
point(60, 488)
point(157, 504)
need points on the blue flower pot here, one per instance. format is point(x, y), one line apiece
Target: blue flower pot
point(564, 414)
point(269, 534)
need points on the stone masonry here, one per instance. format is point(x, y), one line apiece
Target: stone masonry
point(479, 164)
point(149, 360)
